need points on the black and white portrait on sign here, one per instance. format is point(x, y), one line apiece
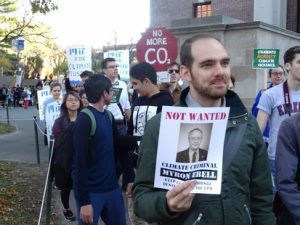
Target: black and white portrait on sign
point(193, 142)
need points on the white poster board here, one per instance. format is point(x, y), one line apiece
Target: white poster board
point(43, 95)
point(122, 59)
point(182, 124)
point(52, 112)
point(163, 77)
point(79, 59)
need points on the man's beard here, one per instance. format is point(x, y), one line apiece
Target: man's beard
point(207, 91)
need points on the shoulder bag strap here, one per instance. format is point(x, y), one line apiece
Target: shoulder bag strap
point(287, 100)
point(93, 120)
point(234, 138)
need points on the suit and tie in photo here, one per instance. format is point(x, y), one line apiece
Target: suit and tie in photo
point(193, 153)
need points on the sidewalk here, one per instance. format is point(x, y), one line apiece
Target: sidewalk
point(20, 146)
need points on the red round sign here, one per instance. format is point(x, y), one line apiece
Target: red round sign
point(158, 46)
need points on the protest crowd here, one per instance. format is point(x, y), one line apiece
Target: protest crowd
point(108, 135)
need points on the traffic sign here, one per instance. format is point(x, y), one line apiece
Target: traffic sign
point(20, 44)
point(265, 58)
point(158, 46)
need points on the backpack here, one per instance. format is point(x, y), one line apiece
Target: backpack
point(63, 154)
point(88, 112)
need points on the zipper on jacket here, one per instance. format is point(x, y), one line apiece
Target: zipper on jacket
point(248, 213)
point(198, 219)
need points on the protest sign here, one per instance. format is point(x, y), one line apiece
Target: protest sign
point(265, 58)
point(52, 112)
point(196, 149)
point(122, 59)
point(43, 95)
point(79, 60)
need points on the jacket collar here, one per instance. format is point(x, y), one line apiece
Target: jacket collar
point(233, 101)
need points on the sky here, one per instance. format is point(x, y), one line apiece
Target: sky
point(94, 23)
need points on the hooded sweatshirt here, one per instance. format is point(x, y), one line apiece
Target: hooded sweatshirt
point(144, 108)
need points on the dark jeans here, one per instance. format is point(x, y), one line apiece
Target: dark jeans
point(124, 164)
point(283, 217)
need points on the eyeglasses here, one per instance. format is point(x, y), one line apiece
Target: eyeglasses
point(72, 100)
point(277, 73)
point(112, 67)
point(110, 90)
point(172, 71)
point(195, 138)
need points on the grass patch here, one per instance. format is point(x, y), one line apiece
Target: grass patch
point(6, 128)
point(21, 190)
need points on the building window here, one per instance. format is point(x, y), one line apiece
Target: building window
point(202, 9)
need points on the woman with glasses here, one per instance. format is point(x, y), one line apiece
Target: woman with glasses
point(63, 148)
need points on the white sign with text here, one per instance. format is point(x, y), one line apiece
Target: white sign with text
point(122, 59)
point(196, 149)
point(79, 59)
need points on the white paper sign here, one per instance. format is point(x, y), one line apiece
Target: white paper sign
point(79, 59)
point(43, 95)
point(122, 59)
point(52, 112)
point(197, 135)
point(163, 77)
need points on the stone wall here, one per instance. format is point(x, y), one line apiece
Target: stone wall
point(240, 39)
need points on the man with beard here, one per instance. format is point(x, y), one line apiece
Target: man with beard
point(246, 193)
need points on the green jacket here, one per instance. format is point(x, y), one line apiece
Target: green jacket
point(246, 195)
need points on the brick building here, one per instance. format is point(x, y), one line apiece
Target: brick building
point(281, 13)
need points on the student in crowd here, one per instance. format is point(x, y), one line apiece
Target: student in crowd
point(121, 110)
point(278, 103)
point(276, 77)
point(55, 89)
point(246, 194)
point(38, 87)
point(173, 86)
point(26, 95)
point(62, 129)
point(287, 176)
point(143, 78)
point(85, 75)
point(84, 98)
point(94, 176)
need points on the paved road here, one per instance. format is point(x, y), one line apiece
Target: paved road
point(20, 145)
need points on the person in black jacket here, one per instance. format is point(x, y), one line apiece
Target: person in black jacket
point(287, 177)
point(143, 78)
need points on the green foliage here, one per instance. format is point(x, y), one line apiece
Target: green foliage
point(6, 63)
point(34, 66)
point(5, 128)
point(43, 6)
point(61, 68)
